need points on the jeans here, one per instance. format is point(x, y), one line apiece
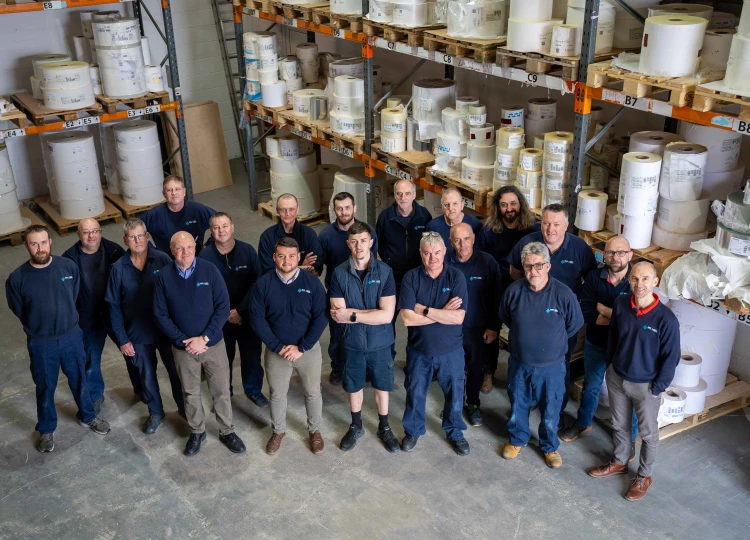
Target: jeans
point(476, 352)
point(47, 358)
point(543, 385)
point(93, 345)
point(594, 365)
point(572, 341)
point(449, 369)
point(250, 348)
point(145, 363)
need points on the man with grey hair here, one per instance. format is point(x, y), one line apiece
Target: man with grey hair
point(453, 213)
point(433, 303)
point(542, 314)
point(130, 294)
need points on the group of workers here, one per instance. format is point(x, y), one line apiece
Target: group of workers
point(454, 282)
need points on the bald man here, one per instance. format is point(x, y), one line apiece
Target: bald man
point(94, 257)
point(643, 351)
point(191, 305)
point(452, 203)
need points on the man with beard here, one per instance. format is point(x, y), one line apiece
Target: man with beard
point(481, 324)
point(130, 294)
point(94, 257)
point(510, 220)
point(453, 213)
point(239, 265)
point(42, 293)
point(177, 214)
point(288, 226)
point(335, 251)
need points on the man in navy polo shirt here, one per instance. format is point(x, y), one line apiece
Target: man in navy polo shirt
point(433, 304)
point(309, 245)
point(481, 324)
point(570, 260)
point(239, 265)
point(335, 251)
point(177, 214)
point(644, 350)
point(453, 213)
point(600, 290)
point(130, 295)
point(541, 314)
point(363, 299)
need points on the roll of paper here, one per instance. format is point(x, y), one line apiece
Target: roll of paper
point(346, 7)
point(591, 210)
point(411, 15)
point(531, 36)
point(508, 158)
point(682, 171)
point(484, 19)
point(671, 44)
point(476, 174)
point(380, 11)
point(512, 116)
point(532, 10)
point(696, 10)
point(274, 95)
point(537, 128)
point(116, 33)
point(683, 216)
point(672, 410)
point(715, 50)
point(393, 120)
point(688, 371)
point(676, 240)
point(477, 115)
point(393, 145)
point(637, 230)
point(558, 143)
point(723, 145)
point(454, 123)
point(566, 40)
point(738, 64)
point(542, 108)
point(720, 184)
point(605, 29)
point(612, 219)
point(695, 397)
point(638, 206)
point(482, 135)
point(640, 174)
point(480, 154)
point(531, 159)
point(528, 179)
point(463, 102)
point(533, 196)
point(154, 78)
point(346, 124)
point(39, 60)
point(451, 145)
point(301, 100)
point(652, 141)
point(510, 137)
point(429, 98)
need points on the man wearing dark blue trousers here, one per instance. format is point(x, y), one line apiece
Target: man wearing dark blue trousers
point(542, 314)
point(239, 265)
point(334, 251)
point(94, 257)
point(433, 304)
point(42, 293)
point(130, 294)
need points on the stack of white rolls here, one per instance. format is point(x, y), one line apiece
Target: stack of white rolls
point(119, 53)
point(37, 62)
point(67, 85)
point(139, 162)
point(77, 179)
point(451, 141)
point(724, 172)
point(393, 128)
point(293, 170)
point(510, 142)
point(10, 209)
point(348, 112)
point(252, 55)
point(483, 19)
point(738, 64)
point(558, 151)
point(529, 175)
point(477, 169)
point(530, 25)
point(638, 196)
point(605, 31)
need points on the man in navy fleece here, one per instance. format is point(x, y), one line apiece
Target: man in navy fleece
point(42, 294)
point(453, 213)
point(542, 314)
point(644, 350)
point(191, 305)
point(288, 312)
point(177, 214)
point(239, 265)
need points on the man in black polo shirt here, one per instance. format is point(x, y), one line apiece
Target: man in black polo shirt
point(644, 350)
point(433, 303)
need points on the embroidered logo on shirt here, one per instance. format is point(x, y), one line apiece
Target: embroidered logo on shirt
point(205, 283)
point(189, 222)
point(417, 227)
point(238, 268)
point(156, 271)
point(563, 261)
point(371, 281)
point(647, 327)
point(303, 290)
point(623, 292)
point(552, 310)
point(446, 289)
point(472, 278)
point(66, 277)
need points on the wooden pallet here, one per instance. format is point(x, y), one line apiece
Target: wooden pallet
point(353, 23)
point(110, 104)
point(8, 3)
point(355, 143)
point(288, 118)
point(258, 109)
point(15, 238)
point(128, 210)
point(483, 51)
point(712, 100)
point(413, 37)
point(63, 226)
point(544, 63)
point(16, 117)
point(38, 113)
point(681, 89)
point(265, 209)
point(274, 7)
point(302, 11)
point(255, 4)
point(413, 164)
point(480, 195)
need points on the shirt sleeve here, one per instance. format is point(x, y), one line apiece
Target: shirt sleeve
point(318, 320)
point(258, 320)
point(161, 314)
point(221, 308)
point(573, 317)
point(460, 290)
point(265, 253)
point(116, 318)
point(389, 288)
point(669, 355)
point(315, 247)
point(408, 297)
point(588, 299)
point(14, 298)
point(614, 334)
point(504, 311)
point(335, 289)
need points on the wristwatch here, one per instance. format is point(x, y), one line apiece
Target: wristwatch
point(426, 311)
point(206, 339)
point(353, 317)
point(301, 349)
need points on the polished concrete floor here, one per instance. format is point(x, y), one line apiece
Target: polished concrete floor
point(132, 486)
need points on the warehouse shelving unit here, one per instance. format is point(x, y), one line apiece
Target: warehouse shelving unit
point(167, 34)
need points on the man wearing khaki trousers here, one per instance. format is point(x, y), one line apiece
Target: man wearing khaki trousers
point(288, 313)
point(191, 304)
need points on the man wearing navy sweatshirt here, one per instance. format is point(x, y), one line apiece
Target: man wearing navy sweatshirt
point(177, 214)
point(288, 226)
point(94, 257)
point(288, 312)
point(130, 295)
point(239, 265)
point(191, 305)
point(433, 305)
point(542, 314)
point(453, 213)
point(335, 251)
point(42, 293)
point(644, 350)
point(481, 324)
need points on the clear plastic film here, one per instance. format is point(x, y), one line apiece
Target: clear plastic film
point(476, 19)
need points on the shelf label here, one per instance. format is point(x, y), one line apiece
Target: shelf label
point(152, 109)
point(303, 134)
point(265, 118)
point(290, 22)
point(13, 133)
point(341, 150)
point(740, 126)
point(56, 4)
point(403, 175)
point(469, 204)
point(338, 33)
point(132, 113)
point(251, 12)
point(89, 120)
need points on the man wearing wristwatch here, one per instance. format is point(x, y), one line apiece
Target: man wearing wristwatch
point(191, 305)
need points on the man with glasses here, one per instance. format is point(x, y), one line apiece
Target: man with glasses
point(177, 214)
point(433, 304)
point(453, 213)
point(191, 305)
point(239, 265)
point(600, 290)
point(130, 295)
point(288, 226)
point(542, 314)
point(94, 257)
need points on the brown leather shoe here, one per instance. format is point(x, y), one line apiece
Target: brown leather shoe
point(638, 488)
point(486, 384)
point(609, 469)
point(274, 443)
point(316, 442)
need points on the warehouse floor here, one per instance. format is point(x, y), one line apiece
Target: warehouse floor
point(129, 485)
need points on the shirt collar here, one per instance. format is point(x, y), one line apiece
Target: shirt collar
point(640, 312)
point(280, 227)
point(296, 275)
point(605, 274)
point(423, 271)
point(353, 269)
point(184, 273)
